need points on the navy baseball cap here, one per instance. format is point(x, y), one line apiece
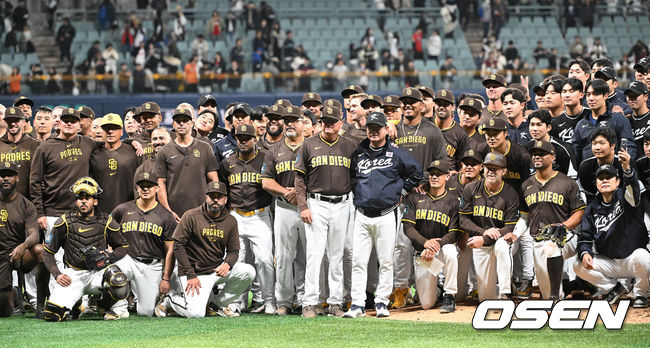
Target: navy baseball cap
point(606, 73)
point(608, 170)
point(377, 118)
point(636, 88)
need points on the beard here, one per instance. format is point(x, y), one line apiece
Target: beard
point(274, 132)
point(7, 191)
point(215, 210)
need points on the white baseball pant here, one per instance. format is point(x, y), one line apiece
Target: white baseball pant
point(348, 251)
point(426, 283)
point(289, 233)
point(369, 232)
point(256, 238)
point(145, 279)
point(327, 230)
point(606, 271)
point(299, 271)
point(464, 265)
point(403, 259)
point(493, 265)
point(541, 271)
point(193, 306)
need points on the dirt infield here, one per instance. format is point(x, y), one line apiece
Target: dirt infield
point(465, 311)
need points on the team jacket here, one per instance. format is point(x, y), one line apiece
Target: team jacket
point(640, 124)
point(614, 229)
point(617, 122)
point(225, 147)
point(564, 125)
point(618, 99)
point(382, 177)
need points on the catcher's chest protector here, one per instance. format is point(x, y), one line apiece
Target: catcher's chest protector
point(83, 232)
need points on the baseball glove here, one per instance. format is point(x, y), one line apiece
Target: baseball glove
point(95, 259)
point(556, 233)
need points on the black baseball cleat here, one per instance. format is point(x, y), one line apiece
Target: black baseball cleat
point(524, 291)
point(448, 303)
point(640, 302)
point(615, 294)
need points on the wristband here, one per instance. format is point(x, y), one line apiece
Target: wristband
point(165, 280)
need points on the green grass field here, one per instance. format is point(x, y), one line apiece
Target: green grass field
point(261, 330)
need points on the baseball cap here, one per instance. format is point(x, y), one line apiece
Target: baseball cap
point(371, 100)
point(208, 98)
point(333, 102)
point(113, 119)
point(606, 73)
point(471, 103)
point(497, 78)
point(642, 65)
point(411, 93)
point(86, 112)
point(14, 112)
point(216, 187)
point(277, 110)
point(426, 91)
point(496, 159)
point(539, 89)
point(519, 87)
point(637, 88)
point(245, 129)
point(606, 169)
point(23, 100)
point(471, 153)
point(71, 112)
point(8, 167)
point(496, 123)
point(292, 112)
point(149, 108)
point(439, 165)
point(310, 115)
point(283, 102)
point(182, 111)
point(243, 107)
point(350, 90)
point(331, 112)
point(146, 176)
point(391, 100)
point(444, 95)
point(311, 97)
point(543, 146)
point(377, 118)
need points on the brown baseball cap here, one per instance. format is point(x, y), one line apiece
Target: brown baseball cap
point(471, 153)
point(292, 112)
point(277, 110)
point(495, 123)
point(544, 146)
point(149, 108)
point(283, 102)
point(444, 95)
point(471, 103)
point(8, 167)
point(23, 100)
point(183, 111)
point(439, 165)
point(411, 93)
point(391, 100)
point(331, 112)
point(426, 91)
point(86, 112)
point(311, 97)
point(519, 87)
point(216, 187)
point(497, 78)
point(350, 90)
point(146, 176)
point(495, 159)
point(371, 100)
point(14, 112)
point(245, 129)
point(332, 102)
point(71, 112)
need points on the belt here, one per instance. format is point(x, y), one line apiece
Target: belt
point(371, 213)
point(145, 260)
point(329, 199)
point(248, 213)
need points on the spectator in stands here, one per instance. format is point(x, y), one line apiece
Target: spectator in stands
point(92, 51)
point(192, 75)
point(305, 71)
point(267, 13)
point(237, 53)
point(340, 72)
point(138, 79)
point(127, 38)
point(401, 63)
point(200, 47)
point(449, 13)
point(50, 8)
point(511, 51)
point(106, 15)
point(234, 78)
point(11, 42)
point(111, 57)
point(638, 51)
point(14, 81)
point(412, 76)
point(588, 10)
point(252, 16)
point(598, 49)
point(123, 78)
point(20, 15)
point(258, 41)
point(139, 54)
point(539, 52)
point(434, 45)
point(570, 14)
point(53, 86)
point(370, 57)
point(490, 65)
point(35, 80)
point(385, 66)
point(231, 27)
point(577, 48)
point(499, 13)
point(64, 37)
point(485, 13)
point(215, 27)
point(158, 35)
point(219, 68)
point(258, 59)
point(26, 44)
point(448, 73)
point(368, 38)
point(178, 32)
point(393, 43)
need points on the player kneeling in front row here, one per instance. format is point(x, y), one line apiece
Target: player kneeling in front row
point(89, 267)
point(206, 245)
point(431, 223)
point(613, 238)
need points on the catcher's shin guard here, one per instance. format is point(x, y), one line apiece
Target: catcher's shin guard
point(116, 287)
point(54, 312)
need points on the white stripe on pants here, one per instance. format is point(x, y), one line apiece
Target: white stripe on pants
point(289, 232)
point(328, 229)
point(256, 238)
point(541, 270)
point(377, 232)
point(606, 271)
point(426, 283)
point(493, 264)
point(403, 259)
point(236, 281)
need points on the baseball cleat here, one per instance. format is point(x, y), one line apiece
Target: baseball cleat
point(400, 297)
point(382, 310)
point(308, 312)
point(448, 303)
point(256, 307)
point(615, 294)
point(640, 302)
point(162, 307)
point(282, 310)
point(269, 309)
point(109, 314)
point(335, 311)
point(228, 312)
point(355, 312)
point(503, 297)
point(524, 291)
point(319, 310)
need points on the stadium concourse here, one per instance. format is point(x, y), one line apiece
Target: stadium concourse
point(349, 159)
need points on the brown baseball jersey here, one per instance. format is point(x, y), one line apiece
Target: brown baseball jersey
point(279, 164)
point(57, 164)
point(428, 217)
point(518, 163)
point(324, 167)
point(243, 181)
point(17, 216)
point(357, 135)
point(552, 202)
point(144, 138)
point(185, 169)
point(480, 210)
point(114, 170)
point(475, 139)
point(457, 142)
point(424, 142)
point(454, 186)
point(145, 231)
point(265, 145)
point(202, 243)
point(20, 153)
